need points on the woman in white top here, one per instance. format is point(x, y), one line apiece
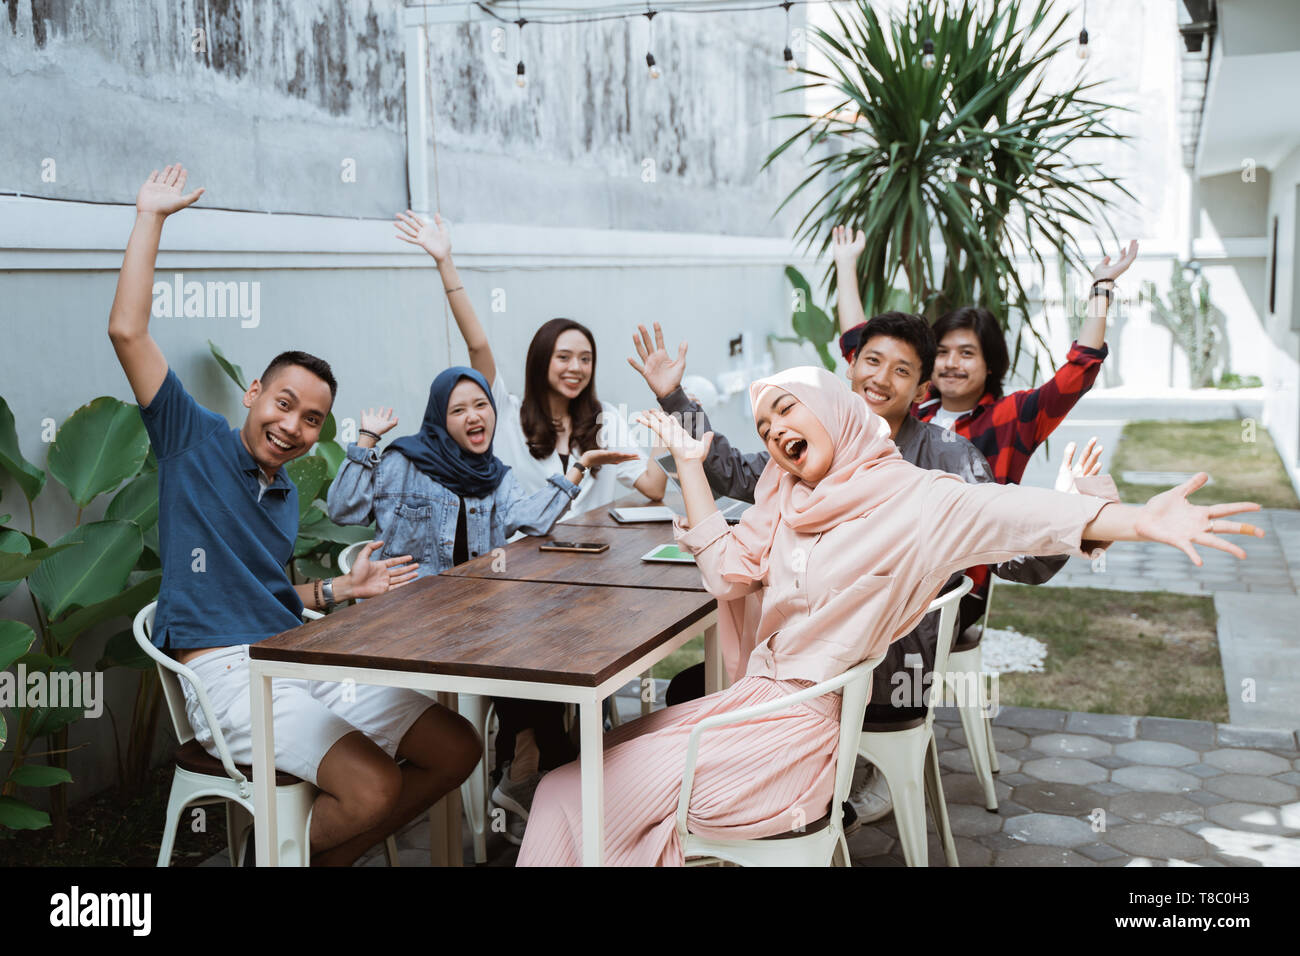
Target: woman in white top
point(559, 416)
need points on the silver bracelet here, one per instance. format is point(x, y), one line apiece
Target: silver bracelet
point(327, 590)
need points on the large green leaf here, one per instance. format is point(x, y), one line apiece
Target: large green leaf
point(230, 368)
point(80, 577)
point(30, 479)
point(15, 567)
point(45, 721)
point(310, 474)
point(98, 447)
point(137, 501)
point(15, 543)
point(15, 639)
point(329, 429)
point(122, 650)
point(16, 815)
point(124, 604)
point(333, 453)
point(40, 775)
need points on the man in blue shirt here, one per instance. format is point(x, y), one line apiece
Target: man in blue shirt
point(227, 525)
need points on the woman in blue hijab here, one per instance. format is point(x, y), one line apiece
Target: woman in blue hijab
point(441, 496)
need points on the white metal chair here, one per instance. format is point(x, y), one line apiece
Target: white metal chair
point(822, 842)
point(908, 757)
point(201, 779)
point(975, 725)
point(478, 711)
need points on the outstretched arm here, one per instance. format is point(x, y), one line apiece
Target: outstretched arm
point(846, 248)
point(434, 239)
point(128, 321)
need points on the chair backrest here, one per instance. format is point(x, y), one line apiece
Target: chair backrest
point(853, 707)
point(348, 556)
point(169, 673)
point(947, 605)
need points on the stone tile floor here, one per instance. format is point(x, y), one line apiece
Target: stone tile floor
point(1077, 789)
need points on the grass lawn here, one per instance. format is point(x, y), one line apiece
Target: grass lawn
point(105, 832)
point(1109, 652)
point(1241, 470)
point(1144, 653)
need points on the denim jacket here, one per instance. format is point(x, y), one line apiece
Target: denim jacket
point(417, 516)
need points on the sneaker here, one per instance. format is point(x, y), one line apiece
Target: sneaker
point(871, 799)
point(515, 795)
point(514, 832)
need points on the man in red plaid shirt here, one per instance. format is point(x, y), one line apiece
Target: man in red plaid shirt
point(965, 393)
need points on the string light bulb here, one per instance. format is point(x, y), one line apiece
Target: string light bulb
point(791, 66)
point(649, 43)
point(927, 54)
point(1083, 34)
point(521, 80)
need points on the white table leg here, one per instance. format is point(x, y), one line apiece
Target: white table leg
point(592, 763)
point(267, 841)
point(713, 676)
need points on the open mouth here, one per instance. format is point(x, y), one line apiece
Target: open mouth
point(878, 398)
point(278, 444)
point(572, 382)
point(477, 435)
point(795, 449)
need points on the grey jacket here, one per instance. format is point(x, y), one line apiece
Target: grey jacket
point(735, 474)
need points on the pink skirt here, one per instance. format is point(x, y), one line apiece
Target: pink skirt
point(753, 779)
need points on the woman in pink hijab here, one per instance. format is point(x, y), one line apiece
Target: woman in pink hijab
point(846, 546)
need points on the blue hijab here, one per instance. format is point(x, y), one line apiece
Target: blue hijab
point(434, 452)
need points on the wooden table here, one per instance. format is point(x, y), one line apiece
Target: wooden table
point(621, 566)
point(537, 640)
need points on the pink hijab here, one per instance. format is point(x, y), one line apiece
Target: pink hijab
point(866, 471)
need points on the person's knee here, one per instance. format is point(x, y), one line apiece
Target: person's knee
point(443, 740)
point(464, 748)
point(367, 786)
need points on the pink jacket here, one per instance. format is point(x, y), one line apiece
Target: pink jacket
point(833, 599)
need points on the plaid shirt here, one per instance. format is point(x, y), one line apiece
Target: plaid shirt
point(1008, 429)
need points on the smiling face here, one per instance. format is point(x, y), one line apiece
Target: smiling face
point(471, 421)
point(795, 439)
point(887, 373)
point(571, 364)
point(959, 369)
point(285, 415)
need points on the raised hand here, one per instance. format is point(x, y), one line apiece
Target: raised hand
point(1089, 465)
point(1111, 271)
point(164, 193)
point(661, 372)
point(433, 237)
point(1171, 519)
point(683, 446)
point(846, 247)
point(377, 420)
point(371, 578)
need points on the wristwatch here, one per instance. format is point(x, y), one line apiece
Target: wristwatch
point(327, 591)
point(1107, 291)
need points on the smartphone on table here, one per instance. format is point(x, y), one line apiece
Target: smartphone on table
point(577, 547)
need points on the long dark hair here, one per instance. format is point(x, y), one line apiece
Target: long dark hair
point(992, 344)
point(535, 413)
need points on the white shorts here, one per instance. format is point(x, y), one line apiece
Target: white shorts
point(310, 715)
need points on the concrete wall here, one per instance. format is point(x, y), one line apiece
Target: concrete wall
point(553, 211)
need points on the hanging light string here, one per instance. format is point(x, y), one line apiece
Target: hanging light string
point(1083, 34)
point(787, 54)
point(649, 43)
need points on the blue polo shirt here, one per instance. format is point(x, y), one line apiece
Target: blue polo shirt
point(224, 552)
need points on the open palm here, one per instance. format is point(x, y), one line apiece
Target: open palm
point(164, 193)
point(432, 237)
point(1171, 519)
